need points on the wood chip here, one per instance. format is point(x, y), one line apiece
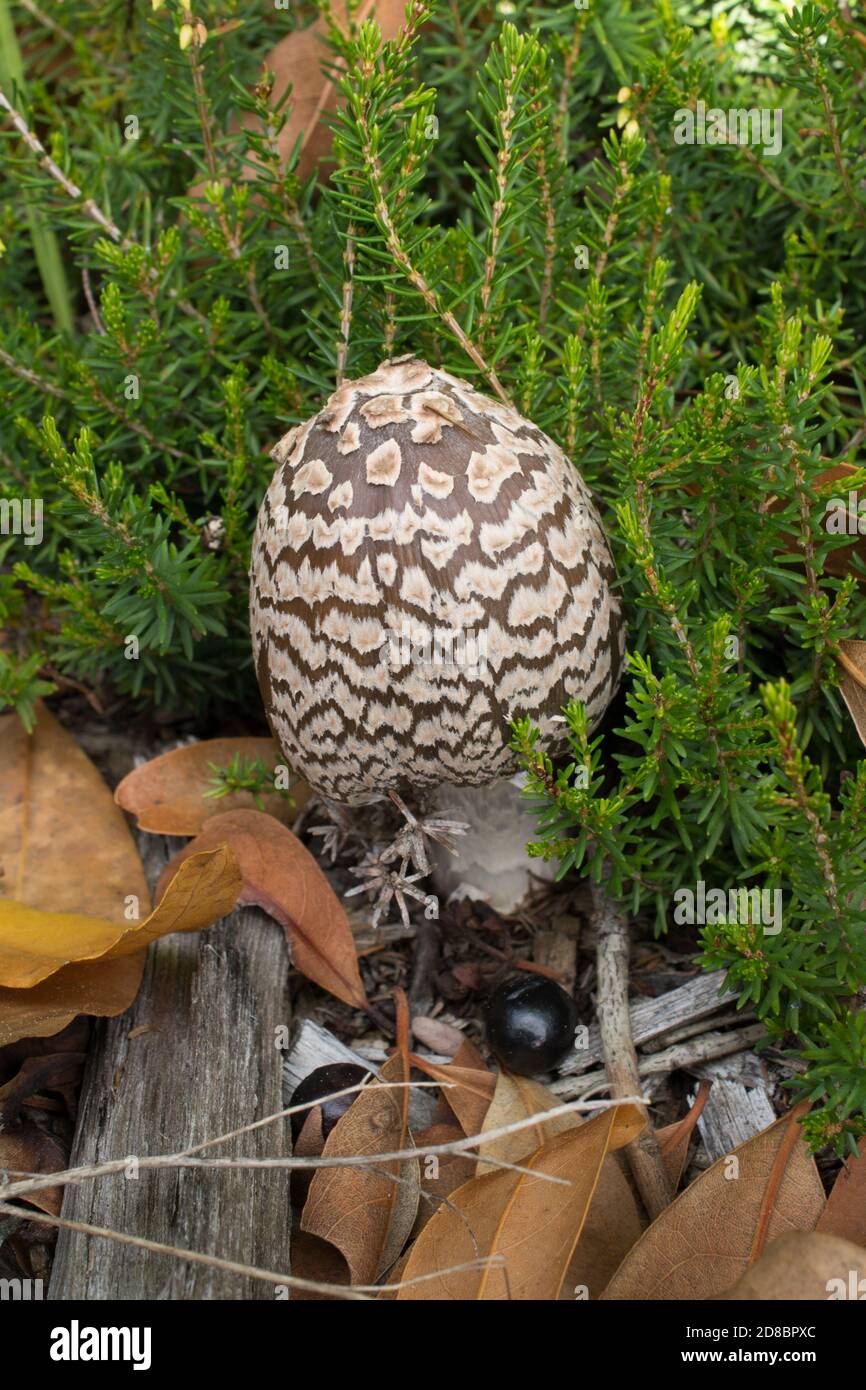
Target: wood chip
point(732, 1114)
point(650, 1018)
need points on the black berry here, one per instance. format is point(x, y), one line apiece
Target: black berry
point(530, 1024)
point(323, 1082)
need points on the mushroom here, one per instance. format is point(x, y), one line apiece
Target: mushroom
point(427, 565)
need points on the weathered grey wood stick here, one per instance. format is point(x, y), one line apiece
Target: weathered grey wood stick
point(682, 1055)
point(193, 1058)
point(656, 1018)
point(620, 1058)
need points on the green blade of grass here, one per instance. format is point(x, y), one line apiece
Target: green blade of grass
point(43, 240)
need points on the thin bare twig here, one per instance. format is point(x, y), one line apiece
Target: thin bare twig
point(568, 69)
point(47, 21)
point(358, 1292)
point(91, 302)
point(134, 425)
point(186, 1160)
point(232, 240)
point(506, 118)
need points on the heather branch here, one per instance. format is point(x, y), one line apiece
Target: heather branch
point(413, 275)
point(86, 205)
point(409, 166)
point(833, 131)
point(568, 70)
point(549, 216)
point(232, 241)
point(132, 424)
point(620, 192)
point(503, 159)
point(290, 208)
point(782, 725)
point(31, 377)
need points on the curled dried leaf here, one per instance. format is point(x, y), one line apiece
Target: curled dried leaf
point(282, 877)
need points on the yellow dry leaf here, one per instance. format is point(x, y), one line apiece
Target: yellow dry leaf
point(58, 861)
point(517, 1098)
point(35, 945)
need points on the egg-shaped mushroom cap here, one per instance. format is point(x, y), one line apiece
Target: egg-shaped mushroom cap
point(427, 565)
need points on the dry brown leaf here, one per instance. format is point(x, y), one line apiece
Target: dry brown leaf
point(839, 562)
point(441, 1174)
point(438, 1036)
point(297, 61)
point(108, 986)
point(34, 945)
point(49, 1071)
point(316, 1259)
point(467, 1055)
point(614, 1220)
point(26, 1149)
point(283, 878)
point(855, 698)
point(75, 1038)
point(24, 1146)
point(517, 1098)
point(845, 1212)
point(852, 658)
point(309, 1144)
point(804, 1266)
point(468, 1092)
point(64, 845)
point(826, 484)
point(674, 1140)
point(363, 1211)
point(103, 990)
point(389, 1291)
point(702, 1242)
point(534, 1226)
point(168, 795)
point(852, 688)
